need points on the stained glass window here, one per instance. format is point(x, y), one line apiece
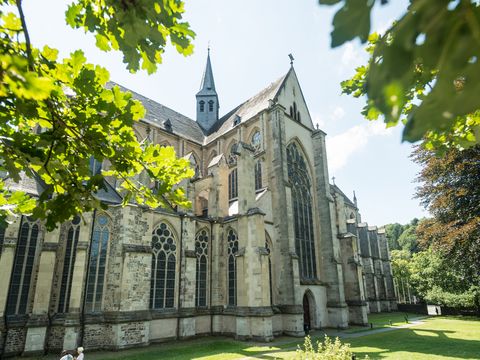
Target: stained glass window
point(164, 249)
point(232, 249)
point(302, 212)
point(20, 285)
point(201, 250)
point(68, 264)
point(97, 264)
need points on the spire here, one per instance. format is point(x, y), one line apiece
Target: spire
point(207, 99)
point(354, 198)
point(207, 87)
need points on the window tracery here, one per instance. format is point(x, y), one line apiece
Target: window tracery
point(25, 255)
point(302, 212)
point(232, 249)
point(162, 289)
point(201, 251)
point(68, 264)
point(97, 264)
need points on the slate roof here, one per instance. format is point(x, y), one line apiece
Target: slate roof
point(33, 186)
point(335, 188)
point(157, 114)
point(247, 109)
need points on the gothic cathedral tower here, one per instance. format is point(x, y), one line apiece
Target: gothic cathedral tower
point(207, 99)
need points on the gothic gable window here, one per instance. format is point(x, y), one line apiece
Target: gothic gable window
point(232, 249)
point(256, 140)
point(201, 250)
point(202, 106)
point(258, 175)
point(232, 154)
point(233, 184)
point(210, 106)
point(98, 263)
point(302, 212)
point(194, 165)
point(23, 267)
point(162, 285)
point(68, 264)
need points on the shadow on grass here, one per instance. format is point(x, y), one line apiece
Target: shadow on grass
point(416, 341)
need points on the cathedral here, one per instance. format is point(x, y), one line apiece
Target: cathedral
point(268, 247)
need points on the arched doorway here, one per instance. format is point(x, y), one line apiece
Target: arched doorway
point(306, 314)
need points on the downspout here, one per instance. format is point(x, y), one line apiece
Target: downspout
point(180, 257)
point(84, 302)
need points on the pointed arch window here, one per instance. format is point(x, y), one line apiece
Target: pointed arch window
point(233, 184)
point(201, 251)
point(23, 267)
point(302, 212)
point(194, 165)
point(68, 264)
point(232, 249)
point(232, 154)
point(256, 140)
point(202, 105)
point(98, 263)
point(258, 175)
point(210, 106)
point(162, 286)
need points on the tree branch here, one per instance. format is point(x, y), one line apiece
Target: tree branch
point(27, 36)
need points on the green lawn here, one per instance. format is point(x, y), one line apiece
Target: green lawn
point(383, 320)
point(436, 338)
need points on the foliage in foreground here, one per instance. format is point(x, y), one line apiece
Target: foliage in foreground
point(326, 350)
point(57, 115)
point(424, 71)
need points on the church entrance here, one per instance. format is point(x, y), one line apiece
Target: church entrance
point(306, 314)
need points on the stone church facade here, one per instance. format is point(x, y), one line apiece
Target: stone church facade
point(268, 247)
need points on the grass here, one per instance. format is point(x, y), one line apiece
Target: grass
point(436, 338)
point(383, 320)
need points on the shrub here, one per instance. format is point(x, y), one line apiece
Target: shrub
point(326, 350)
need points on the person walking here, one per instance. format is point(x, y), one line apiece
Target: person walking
point(80, 355)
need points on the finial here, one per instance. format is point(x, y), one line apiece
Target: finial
point(318, 126)
point(208, 47)
point(291, 59)
point(333, 180)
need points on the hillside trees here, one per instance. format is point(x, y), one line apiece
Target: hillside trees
point(424, 71)
point(57, 115)
point(449, 189)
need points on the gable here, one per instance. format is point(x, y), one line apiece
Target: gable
point(290, 95)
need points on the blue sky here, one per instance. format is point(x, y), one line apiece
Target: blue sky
point(250, 41)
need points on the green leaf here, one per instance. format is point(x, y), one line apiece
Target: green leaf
point(351, 21)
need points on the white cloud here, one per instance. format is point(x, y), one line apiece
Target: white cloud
point(338, 113)
point(342, 146)
point(349, 55)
